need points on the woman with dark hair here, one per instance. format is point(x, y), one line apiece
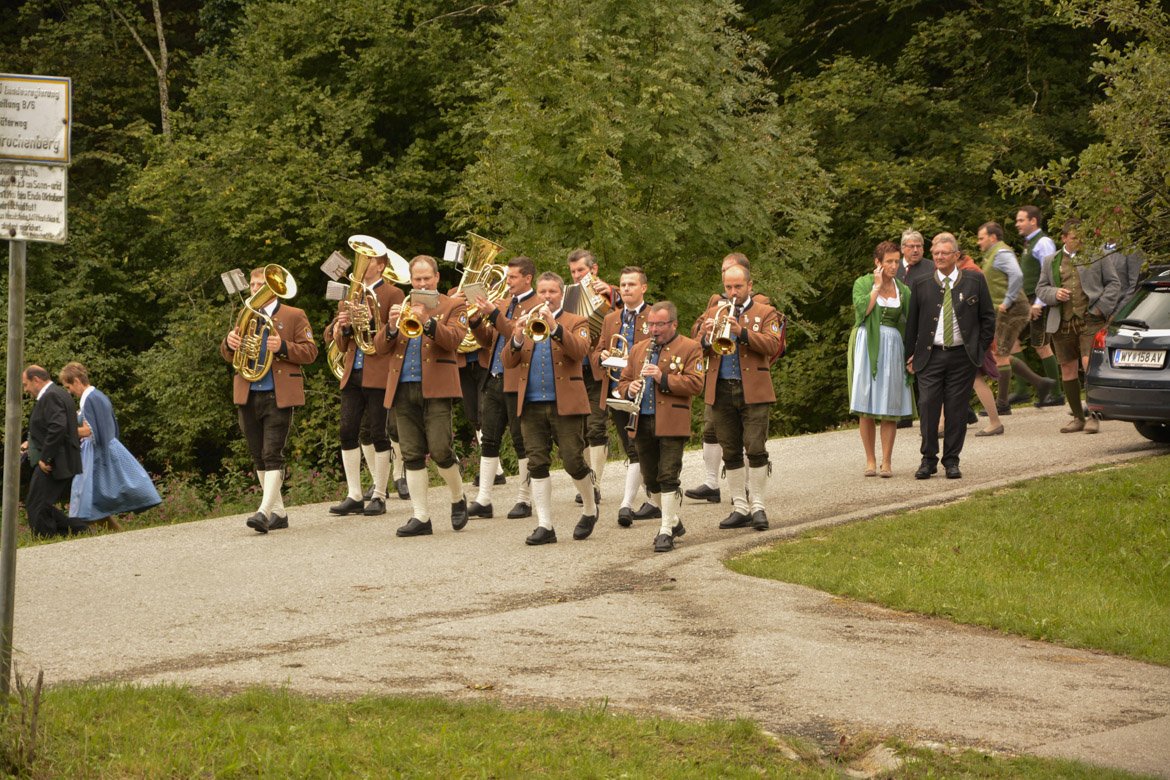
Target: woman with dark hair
point(879, 390)
point(112, 481)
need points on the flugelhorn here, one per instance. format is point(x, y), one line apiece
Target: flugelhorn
point(721, 339)
point(619, 352)
point(536, 328)
point(252, 360)
point(409, 324)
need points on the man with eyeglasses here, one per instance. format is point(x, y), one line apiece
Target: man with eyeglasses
point(950, 325)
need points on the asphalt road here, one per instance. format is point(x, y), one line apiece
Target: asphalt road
point(339, 606)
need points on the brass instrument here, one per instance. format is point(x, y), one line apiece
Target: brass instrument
point(254, 326)
point(409, 324)
point(636, 403)
point(397, 271)
point(478, 267)
point(537, 328)
point(619, 353)
point(721, 339)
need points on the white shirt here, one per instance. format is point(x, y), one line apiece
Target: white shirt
point(44, 389)
point(938, 331)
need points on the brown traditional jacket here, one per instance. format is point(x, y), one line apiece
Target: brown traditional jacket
point(375, 365)
point(499, 326)
point(298, 349)
point(611, 325)
point(442, 334)
point(570, 344)
point(759, 342)
point(681, 361)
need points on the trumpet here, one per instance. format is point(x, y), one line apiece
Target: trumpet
point(536, 328)
point(409, 324)
point(636, 403)
point(252, 360)
point(721, 339)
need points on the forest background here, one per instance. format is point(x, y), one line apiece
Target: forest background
point(234, 133)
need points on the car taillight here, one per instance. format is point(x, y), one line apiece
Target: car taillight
point(1099, 339)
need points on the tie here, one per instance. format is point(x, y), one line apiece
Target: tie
point(511, 308)
point(948, 312)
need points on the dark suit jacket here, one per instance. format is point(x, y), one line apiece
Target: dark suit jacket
point(52, 433)
point(973, 309)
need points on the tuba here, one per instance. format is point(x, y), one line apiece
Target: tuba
point(478, 267)
point(252, 361)
point(721, 339)
point(397, 271)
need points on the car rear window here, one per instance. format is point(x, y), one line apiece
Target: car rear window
point(1151, 306)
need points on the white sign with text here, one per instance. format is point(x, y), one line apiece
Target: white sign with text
point(32, 202)
point(35, 118)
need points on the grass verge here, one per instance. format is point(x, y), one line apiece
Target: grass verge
point(1078, 559)
point(124, 731)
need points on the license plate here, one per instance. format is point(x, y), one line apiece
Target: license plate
point(1139, 358)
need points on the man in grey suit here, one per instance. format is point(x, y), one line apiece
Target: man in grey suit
point(950, 324)
point(54, 452)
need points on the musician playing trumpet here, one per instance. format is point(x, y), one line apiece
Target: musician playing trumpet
point(739, 391)
point(266, 405)
point(363, 386)
point(663, 374)
point(421, 384)
point(546, 350)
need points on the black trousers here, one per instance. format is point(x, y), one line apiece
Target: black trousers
point(661, 457)
point(45, 518)
point(620, 421)
point(741, 427)
point(470, 378)
point(944, 385)
point(265, 428)
point(424, 427)
point(497, 413)
point(362, 412)
point(596, 433)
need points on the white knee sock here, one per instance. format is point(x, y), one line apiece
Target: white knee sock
point(633, 482)
point(524, 495)
point(669, 513)
point(370, 455)
point(488, 468)
point(737, 486)
point(712, 457)
point(272, 480)
point(417, 481)
point(598, 455)
point(585, 486)
point(757, 477)
point(381, 472)
point(399, 463)
point(542, 501)
point(352, 461)
point(454, 482)
point(654, 499)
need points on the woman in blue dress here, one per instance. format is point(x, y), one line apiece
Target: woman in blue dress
point(112, 481)
point(879, 390)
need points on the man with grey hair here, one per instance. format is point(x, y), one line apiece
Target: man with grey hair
point(912, 268)
point(950, 324)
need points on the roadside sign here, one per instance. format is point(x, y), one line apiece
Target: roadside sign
point(32, 202)
point(35, 118)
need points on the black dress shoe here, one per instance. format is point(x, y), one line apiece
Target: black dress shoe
point(625, 517)
point(663, 543)
point(584, 527)
point(348, 507)
point(520, 510)
point(678, 530)
point(759, 520)
point(278, 522)
point(500, 479)
point(541, 536)
point(925, 471)
point(953, 472)
point(1020, 397)
point(972, 418)
point(1047, 387)
point(459, 514)
point(376, 506)
point(402, 488)
point(1003, 410)
point(647, 511)
point(905, 424)
point(415, 528)
point(368, 494)
point(258, 522)
point(1054, 401)
point(479, 510)
point(735, 520)
point(704, 493)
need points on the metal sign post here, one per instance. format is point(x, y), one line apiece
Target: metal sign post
point(35, 125)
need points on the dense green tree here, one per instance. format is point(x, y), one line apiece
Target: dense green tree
point(647, 133)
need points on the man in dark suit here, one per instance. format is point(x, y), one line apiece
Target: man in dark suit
point(950, 325)
point(54, 451)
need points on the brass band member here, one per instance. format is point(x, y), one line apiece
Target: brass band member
point(421, 383)
point(712, 453)
point(546, 349)
point(630, 323)
point(363, 386)
point(582, 262)
point(266, 405)
point(740, 393)
point(493, 327)
point(665, 372)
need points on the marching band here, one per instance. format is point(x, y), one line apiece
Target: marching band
point(548, 362)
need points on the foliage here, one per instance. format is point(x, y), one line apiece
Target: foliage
point(1094, 574)
point(647, 133)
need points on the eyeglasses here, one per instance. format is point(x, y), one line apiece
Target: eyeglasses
point(659, 324)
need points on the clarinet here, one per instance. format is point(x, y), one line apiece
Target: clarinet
point(632, 425)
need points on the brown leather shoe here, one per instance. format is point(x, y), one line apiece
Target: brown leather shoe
point(1076, 425)
point(1092, 424)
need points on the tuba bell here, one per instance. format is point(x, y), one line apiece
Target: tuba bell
point(478, 267)
point(252, 361)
